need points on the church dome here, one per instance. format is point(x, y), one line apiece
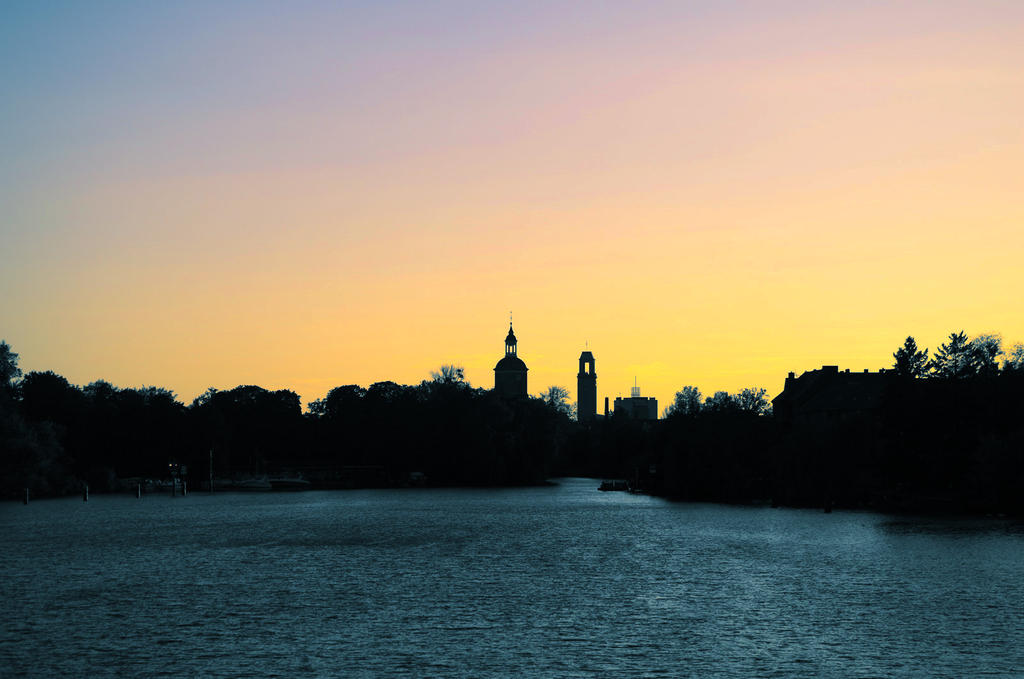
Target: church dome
point(511, 362)
point(510, 372)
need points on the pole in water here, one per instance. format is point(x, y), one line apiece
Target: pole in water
point(85, 493)
point(138, 491)
point(26, 496)
point(184, 487)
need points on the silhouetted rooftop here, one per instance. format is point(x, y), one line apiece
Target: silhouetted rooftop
point(832, 390)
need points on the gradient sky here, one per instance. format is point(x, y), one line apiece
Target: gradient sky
point(303, 195)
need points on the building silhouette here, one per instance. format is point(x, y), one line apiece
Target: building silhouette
point(637, 406)
point(586, 389)
point(510, 371)
point(829, 395)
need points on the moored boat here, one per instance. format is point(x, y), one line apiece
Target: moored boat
point(250, 485)
point(289, 483)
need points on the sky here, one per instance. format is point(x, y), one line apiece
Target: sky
point(303, 195)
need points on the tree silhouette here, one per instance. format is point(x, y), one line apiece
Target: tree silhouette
point(558, 398)
point(204, 397)
point(985, 352)
point(753, 401)
point(962, 357)
point(338, 401)
point(49, 396)
point(249, 426)
point(720, 402)
point(449, 374)
point(686, 402)
point(953, 358)
point(9, 370)
point(909, 361)
point(1014, 359)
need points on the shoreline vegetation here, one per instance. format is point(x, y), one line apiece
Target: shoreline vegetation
point(945, 435)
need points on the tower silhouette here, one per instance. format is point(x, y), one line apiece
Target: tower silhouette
point(510, 372)
point(586, 389)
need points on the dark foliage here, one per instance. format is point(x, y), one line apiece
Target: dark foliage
point(952, 442)
point(910, 362)
point(55, 436)
point(441, 430)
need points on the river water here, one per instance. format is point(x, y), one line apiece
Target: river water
point(550, 581)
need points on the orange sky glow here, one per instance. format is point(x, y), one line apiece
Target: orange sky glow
point(710, 194)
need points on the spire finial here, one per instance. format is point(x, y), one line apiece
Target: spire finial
point(510, 339)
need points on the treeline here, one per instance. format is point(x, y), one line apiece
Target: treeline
point(946, 434)
point(55, 436)
point(960, 358)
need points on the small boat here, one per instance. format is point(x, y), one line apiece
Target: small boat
point(614, 484)
point(251, 485)
point(289, 483)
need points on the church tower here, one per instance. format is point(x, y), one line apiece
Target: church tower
point(510, 372)
point(586, 389)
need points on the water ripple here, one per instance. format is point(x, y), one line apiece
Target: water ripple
point(558, 581)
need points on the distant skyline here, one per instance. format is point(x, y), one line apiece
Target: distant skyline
point(308, 195)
